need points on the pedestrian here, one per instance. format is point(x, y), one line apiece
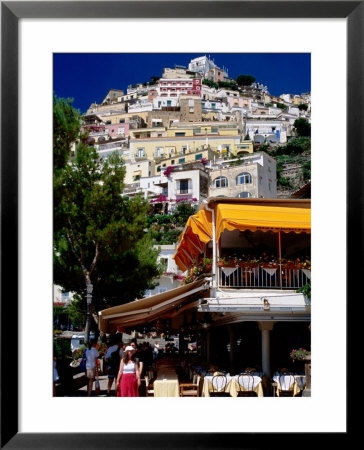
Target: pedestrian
point(55, 375)
point(155, 351)
point(128, 380)
point(91, 364)
point(113, 357)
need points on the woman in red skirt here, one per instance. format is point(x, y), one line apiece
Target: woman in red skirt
point(128, 379)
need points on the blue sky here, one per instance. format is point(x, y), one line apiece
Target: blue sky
point(87, 77)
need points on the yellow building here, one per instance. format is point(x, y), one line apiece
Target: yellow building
point(187, 142)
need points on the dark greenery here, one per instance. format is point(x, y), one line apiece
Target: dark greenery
point(306, 290)
point(77, 311)
point(282, 106)
point(228, 85)
point(294, 146)
point(61, 348)
point(166, 228)
point(285, 182)
point(303, 107)
point(210, 83)
point(306, 170)
point(302, 127)
point(245, 80)
point(66, 129)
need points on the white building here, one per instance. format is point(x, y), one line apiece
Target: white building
point(269, 130)
point(172, 276)
point(254, 177)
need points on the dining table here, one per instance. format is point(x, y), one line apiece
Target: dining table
point(232, 386)
point(298, 385)
point(166, 383)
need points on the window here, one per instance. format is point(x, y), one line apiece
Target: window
point(140, 152)
point(158, 168)
point(199, 156)
point(183, 186)
point(181, 160)
point(244, 195)
point(173, 161)
point(221, 182)
point(179, 133)
point(159, 151)
point(244, 178)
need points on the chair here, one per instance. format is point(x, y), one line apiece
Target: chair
point(219, 383)
point(285, 385)
point(149, 391)
point(190, 389)
point(246, 385)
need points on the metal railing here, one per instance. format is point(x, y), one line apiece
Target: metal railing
point(260, 277)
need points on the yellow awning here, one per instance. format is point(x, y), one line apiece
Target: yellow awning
point(264, 215)
point(148, 309)
point(197, 232)
point(255, 217)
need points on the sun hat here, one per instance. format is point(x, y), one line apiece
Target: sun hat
point(129, 348)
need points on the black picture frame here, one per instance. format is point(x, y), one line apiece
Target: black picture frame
point(11, 12)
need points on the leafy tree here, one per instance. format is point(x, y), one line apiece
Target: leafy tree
point(77, 310)
point(302, 127)
point(245, 80)
point(210, 83)
point(282, 106)
point(66, 129)
point(99, 235)
point(286, 182)
point(306, 170)
point(303, 107)
point(228, 85)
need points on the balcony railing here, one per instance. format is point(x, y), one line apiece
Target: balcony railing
point(262, 277)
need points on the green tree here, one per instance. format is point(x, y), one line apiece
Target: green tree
point(66, 129)
point(99, 235)
point(282, 106)
point(303, 107)
point(210, 83)
point(302, 127)
point(245, 80)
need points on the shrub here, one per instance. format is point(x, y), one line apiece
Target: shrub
point(62, 348)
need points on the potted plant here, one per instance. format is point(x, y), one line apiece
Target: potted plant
point(300, 355)
point(207, 265)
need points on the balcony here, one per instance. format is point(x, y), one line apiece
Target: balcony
point(263, 278)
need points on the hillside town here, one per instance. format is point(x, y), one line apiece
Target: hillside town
point(225, 168)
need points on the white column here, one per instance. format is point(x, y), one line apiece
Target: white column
point(265, 328)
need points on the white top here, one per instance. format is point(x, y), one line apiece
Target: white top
point(129, 368)
point(90, 358)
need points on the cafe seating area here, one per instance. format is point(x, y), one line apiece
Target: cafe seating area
point(173, 376)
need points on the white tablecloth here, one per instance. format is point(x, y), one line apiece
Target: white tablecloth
point(166, 384)
point(232, 385)
point(297, 384)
